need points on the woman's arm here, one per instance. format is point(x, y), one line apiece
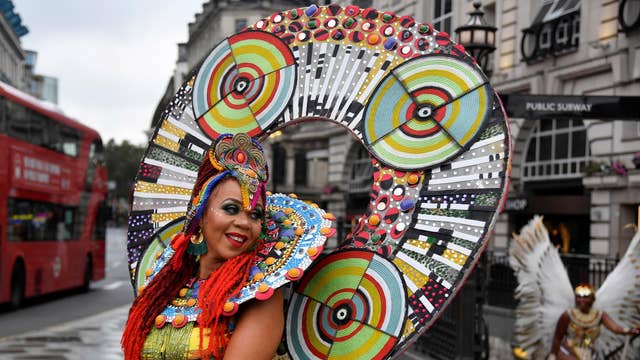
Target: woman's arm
point(610, 324)
point(561, 330)
point(258, 331)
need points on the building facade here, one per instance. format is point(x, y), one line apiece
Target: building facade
point(17, 65)
point(571, 168)
point(565, 166)
point(12, 56)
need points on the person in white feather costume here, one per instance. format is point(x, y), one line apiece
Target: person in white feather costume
point(553, 321)
point(579, 327)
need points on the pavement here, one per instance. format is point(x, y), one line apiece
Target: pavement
point(98, 337)
point(95, 337)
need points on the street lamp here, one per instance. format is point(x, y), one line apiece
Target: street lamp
point(478, 37)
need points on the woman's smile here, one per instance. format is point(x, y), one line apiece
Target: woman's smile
point(236, 239)
point(228, 228)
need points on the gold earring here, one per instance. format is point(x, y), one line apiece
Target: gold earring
point(197, 245)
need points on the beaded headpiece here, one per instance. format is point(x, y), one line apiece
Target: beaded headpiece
point(238, 156)
point(584, 290)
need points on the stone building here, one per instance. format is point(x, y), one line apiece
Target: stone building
point(18, 65)
point(583, 48)
point(553, 47)
point(575, 168)
point(12, 56)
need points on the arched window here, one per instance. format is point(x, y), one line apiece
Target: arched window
point(557, 149)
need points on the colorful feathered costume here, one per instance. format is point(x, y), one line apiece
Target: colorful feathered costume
point(544, 293)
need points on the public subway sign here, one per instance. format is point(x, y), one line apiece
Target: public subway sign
point(584, 107)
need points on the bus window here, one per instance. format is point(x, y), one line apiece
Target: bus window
point(54, 141)
point(70, 141)
point(39, 221)
point(37, 134)
point(3, 122)
point(96, 152)
point(100, 228)
point(17, 121)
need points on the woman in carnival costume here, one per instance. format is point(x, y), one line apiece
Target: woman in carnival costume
point(207, 264)
point(544, 328)
point(579, 327)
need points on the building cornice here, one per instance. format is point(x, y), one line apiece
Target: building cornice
point(9, 34)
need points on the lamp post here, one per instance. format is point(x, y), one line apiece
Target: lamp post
point(478, 37)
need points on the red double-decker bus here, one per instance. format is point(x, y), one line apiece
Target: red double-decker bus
point(52, 199)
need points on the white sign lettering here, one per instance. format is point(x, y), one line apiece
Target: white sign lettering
point(553, 106)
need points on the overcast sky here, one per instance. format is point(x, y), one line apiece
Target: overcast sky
point(113, 58)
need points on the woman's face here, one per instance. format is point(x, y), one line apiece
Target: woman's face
point(229, 229)
point(584, 303)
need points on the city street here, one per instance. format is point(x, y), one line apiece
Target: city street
point(45, 325)
point(73, 326)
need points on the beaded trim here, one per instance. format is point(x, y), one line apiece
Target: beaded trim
point(183, 309)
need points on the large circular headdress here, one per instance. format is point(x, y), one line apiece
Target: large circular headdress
point(424, 110)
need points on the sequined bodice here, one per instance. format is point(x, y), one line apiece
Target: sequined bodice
point(175, 334)
point(583, 328)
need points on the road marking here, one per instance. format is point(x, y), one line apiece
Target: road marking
point(113, 285)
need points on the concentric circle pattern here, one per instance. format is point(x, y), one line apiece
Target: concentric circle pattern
point(421, 107)
point(426, 111)
point(156, 247)
point(351, 305)
point(244, 84)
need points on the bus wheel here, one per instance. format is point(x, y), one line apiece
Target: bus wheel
point(17, 285)
point(88, 274)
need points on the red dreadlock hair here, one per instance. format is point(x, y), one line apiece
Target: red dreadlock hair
point(223, 283)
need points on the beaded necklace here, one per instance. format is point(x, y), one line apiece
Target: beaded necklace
point(585, 320)
point(182, 309)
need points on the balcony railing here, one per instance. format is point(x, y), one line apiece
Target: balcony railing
point(501, 280)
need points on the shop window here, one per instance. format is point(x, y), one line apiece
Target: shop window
point(562, 123)
point(562, 146)
point(532, 149)
point(556, 149)
point(578, 140)
point(545, 148)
